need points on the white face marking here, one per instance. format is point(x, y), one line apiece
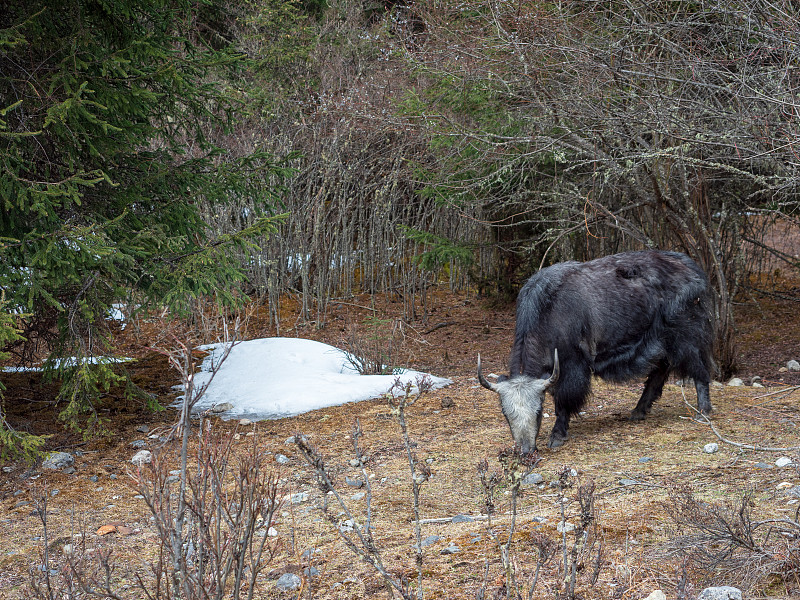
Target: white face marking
point(521, 399)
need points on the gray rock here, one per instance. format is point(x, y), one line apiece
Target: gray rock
point(656, 595)
point(795, 491)
point(221, 408)
point(783, 461)
point(355, 462)
point(298, 498)
point(138, 443)
point(58, 460)
point(461, 519)
point(142, 429)
point(645, 459)
point(311, 572)
point(346, 526)
point(724, 592)
point(451, 549)
point(762, 465)
point(245, 422)
point(711, 448)
point(142, 457)
point(353, 482)
point(281, 459)
point(358, 496)
point(628, 482)
point(289, 440)
point(532, 479)
point(564, 527)
point(736, 382)
point(69, 471)
point(431, 539)
point(793, 365)
point(288, 582)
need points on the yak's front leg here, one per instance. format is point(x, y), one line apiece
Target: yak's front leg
point(559, 434)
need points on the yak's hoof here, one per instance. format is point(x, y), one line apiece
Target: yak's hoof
point(637, 415)
point(556, 441)
point(706, 410)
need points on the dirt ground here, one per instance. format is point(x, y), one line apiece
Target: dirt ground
point(639, 470)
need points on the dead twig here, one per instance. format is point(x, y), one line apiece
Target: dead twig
point(701, 418)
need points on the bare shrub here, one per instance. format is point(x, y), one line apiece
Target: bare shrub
point(356, 534)
point(728, 539)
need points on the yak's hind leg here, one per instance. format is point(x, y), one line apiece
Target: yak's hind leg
point(652, 391)
point(703, 398)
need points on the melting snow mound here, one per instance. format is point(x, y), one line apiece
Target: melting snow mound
point(272, 378)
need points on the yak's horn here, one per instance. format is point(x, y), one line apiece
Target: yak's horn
point(482, 380)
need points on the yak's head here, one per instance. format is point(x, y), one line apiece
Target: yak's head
point(522, 401)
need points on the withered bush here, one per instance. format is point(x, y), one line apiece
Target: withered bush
point(728, 539)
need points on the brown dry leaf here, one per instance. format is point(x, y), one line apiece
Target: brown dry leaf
point(106, 529)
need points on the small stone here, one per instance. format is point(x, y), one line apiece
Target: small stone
point(54, 492)
point(114, 475)
point(352, 482)
point(628, 482)
point(711, 448)
point(272, 532)
point(448, 403)
point(58, 460)
point(431, 539)
point(298, 498)
point(717, 385)
point(142, 458)
point(724, 592)
point(311, 572)
point(564, 527)
point(462, 519)
point(532, 479)
point(355, 462)
point(451, 549)
point(358, 496)
point(346, 526)
point(783, 461)
point(793, 365)
point(143, 429)
point(221, 408)
point(69, 471)
point(245, 422)
point(138, 443)
point(783, 485)
point(762, 465)
point(281, 459)
point(656, 595)
point(288, 582)
point(795, 491)
point(289, 440)
point(646, 459)
point(736, 382)
point(94, 479)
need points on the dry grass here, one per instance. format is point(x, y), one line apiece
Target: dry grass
point(604, 447)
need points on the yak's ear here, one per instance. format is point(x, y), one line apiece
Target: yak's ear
point(556, 369)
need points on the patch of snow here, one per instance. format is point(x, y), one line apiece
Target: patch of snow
point(272, 378)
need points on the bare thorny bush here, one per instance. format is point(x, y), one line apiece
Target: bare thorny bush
point(212, 516)
point(357, 534)
point(728, 539)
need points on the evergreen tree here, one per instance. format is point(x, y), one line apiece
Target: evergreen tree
point(110, 114)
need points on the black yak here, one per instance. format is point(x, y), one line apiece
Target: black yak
point(619, 317)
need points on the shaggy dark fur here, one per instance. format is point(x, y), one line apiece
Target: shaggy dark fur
point(619, 317)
